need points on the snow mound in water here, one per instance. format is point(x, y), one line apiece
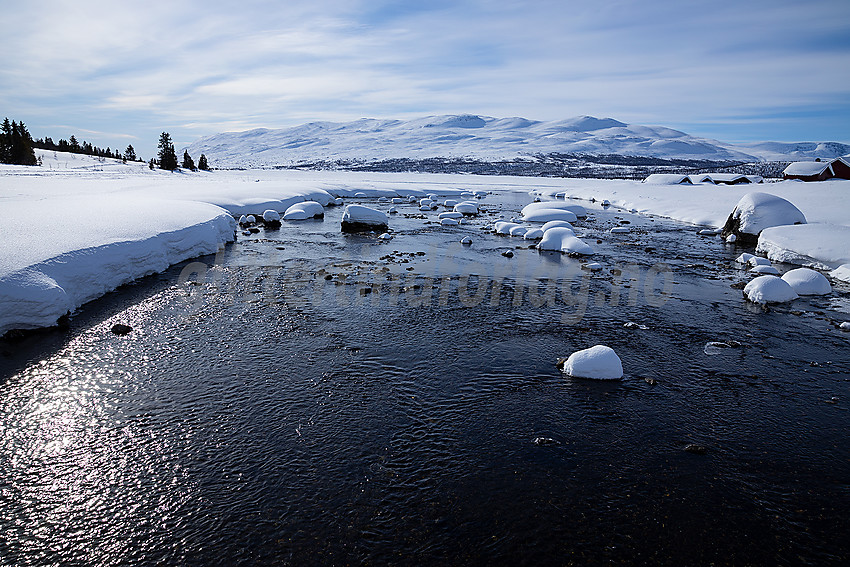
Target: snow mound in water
point(842, 273)
point(563, 239)
point(547, 215)
point(758, 211)
point(554, 223)
point(448, 222)
point(504, 227)
point(767, 270)
point(357, 218)
point(577, 210)
point(805, 281)
point(533, 234)
point(303, 211)
point(467, 208)
point(769, 289)
point(518, 230)
point(599, 363)
point(271, 215)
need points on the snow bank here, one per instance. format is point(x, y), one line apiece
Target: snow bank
point(504, 227)
point(85, 247)
point(769, 289)
point(303, 211)
point(805, 281)
point(822, 246)
point(599, 362)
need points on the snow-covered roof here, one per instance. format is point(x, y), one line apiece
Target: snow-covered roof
point(724, 178)
point(807, 167)
point(667, 179)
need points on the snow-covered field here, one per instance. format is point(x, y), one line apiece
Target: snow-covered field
point(78, 227)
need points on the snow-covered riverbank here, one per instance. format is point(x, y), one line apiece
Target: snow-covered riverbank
point(78, 227)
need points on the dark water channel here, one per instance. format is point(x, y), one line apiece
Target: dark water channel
point(303, 399)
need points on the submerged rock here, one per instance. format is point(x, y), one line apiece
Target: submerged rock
point(121, 329)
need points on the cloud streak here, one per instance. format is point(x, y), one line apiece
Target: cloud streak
point(196, 67)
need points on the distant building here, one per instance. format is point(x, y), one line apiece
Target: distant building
point(713, 178)
point(818, 170)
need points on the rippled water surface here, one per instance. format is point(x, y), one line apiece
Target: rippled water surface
point(271, 410)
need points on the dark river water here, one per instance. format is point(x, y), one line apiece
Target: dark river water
point(310, 398)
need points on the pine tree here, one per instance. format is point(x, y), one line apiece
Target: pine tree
point(74, 145)
point(16, 144)
point(151, 164)
point(188, 162)
point(130, 153)
point(202, 163)
point(167, 155)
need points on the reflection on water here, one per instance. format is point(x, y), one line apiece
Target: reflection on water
point(283, 416)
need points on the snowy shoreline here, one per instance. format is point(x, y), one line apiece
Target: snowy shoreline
point(77, 227)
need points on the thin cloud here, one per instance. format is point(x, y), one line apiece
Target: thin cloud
point(156, 66)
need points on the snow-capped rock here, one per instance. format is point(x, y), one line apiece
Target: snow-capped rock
point(450, 215)
point(842, 273)
point(357, 218)
point(620, 230)
point(744, 258)
point(577, 210)
point(769, 289)
point(555, 223)
point(504, 227)
point(598, 362)
point(466, 241)
point(533, 234)
point(765, 270)
point(547, 215)
point(271, 216)
point(758, 211)
point(563, 239)
point(518, 230)
point(467, 208)
point(303, 211)
point(448, 222)
point(805, 281)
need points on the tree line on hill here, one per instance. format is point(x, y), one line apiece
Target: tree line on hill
point(17, 147)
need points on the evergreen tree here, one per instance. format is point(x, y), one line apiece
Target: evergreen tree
point(130, 153)
point(151, 164)
point(74, 145)
point(16, 144)
point(202, 163)
point(167, 155)
point(188, 162)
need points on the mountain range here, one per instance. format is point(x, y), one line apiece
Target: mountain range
point(467, 136)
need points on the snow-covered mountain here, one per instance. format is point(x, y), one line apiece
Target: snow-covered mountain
point(480, 137)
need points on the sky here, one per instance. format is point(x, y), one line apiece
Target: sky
point(118, 73)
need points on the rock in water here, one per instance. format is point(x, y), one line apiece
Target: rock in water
point(121, 329)
point(358, 218)
point(757, 211)
point(304, 211)
point(271, 218)
point(769, 289)
point(599, 363)
point(806, 281)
